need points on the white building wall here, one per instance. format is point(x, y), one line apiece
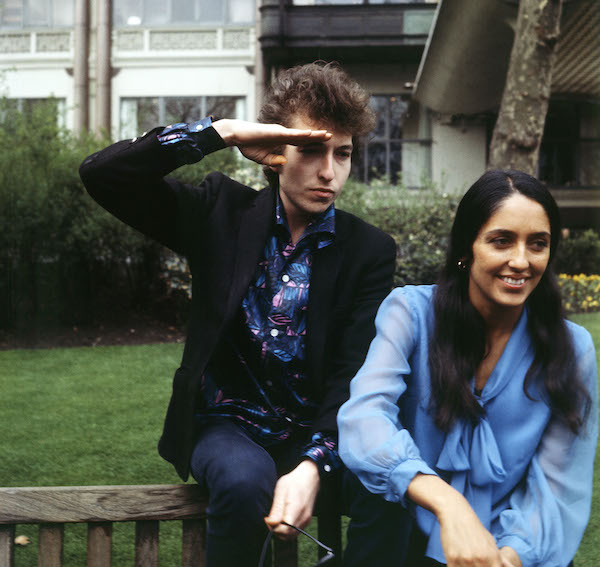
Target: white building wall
point(146, 63)
point(458, 152)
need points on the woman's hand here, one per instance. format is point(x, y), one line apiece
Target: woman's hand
point(262, 142)
point(294, 499)
point(465, 541)
point(510, 557)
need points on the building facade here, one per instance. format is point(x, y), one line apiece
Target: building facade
point(435, 72)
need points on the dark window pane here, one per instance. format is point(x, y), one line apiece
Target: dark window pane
point(395, 161)
point(147, 114)
point(183, 109)
point(376, 160)
point(398, 109)
point(561, 121)
point(557, 163)
point(379, 104)
point(221, 106)
point(589, 174)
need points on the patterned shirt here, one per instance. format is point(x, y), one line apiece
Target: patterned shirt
point(256, 376)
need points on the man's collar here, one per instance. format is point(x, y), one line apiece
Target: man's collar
point(323, 223)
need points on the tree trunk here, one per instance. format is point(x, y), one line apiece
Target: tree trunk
point(520, 125)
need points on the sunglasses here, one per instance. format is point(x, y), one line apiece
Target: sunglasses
point(329, 555)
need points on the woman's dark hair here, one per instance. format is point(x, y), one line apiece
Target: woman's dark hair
point(322, 92)
point(458, 344)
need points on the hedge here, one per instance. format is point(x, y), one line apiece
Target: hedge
point(65, 261)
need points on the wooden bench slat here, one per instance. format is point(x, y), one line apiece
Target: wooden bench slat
point(7, 547)
point(50, 545)
point(193, 543)
point(63, 504)
point(146, 543)
point(99, 544)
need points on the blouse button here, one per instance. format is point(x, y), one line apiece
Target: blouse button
point(285, 278)
point(274, 332)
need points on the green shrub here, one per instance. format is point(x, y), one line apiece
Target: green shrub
point(419, 220)
point(579, 253)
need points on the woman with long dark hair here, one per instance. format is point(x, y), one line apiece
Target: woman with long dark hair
point(477, 404)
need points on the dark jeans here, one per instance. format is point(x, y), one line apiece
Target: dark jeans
point(379, 531)
point(239, 476)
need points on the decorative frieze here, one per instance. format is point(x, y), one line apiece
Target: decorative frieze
point(236, 39)
point(52, 42)
point(182, 40)
point(15, 43)
point(130, 40)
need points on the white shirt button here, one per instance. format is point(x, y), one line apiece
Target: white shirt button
point(285, 278)
point(274, 332)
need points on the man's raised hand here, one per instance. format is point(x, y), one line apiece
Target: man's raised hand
point(263, 143)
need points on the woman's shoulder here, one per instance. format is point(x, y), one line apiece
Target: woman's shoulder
point(581, 337)
point(416, 299)
point(418, 296)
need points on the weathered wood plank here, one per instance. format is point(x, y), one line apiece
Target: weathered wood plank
point(99, 544)
point(193, 543)
point(7, 548)
point(63, 504)
point(286, 552)
point(50, 545)
point(146, 543)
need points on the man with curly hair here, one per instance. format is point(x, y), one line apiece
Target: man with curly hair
point(285, 289)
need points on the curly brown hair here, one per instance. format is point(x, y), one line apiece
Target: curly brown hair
point(322, 92)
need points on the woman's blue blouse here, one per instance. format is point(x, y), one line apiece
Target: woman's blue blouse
point(526, 475)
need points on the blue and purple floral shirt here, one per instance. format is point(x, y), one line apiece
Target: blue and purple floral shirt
point(256, 376)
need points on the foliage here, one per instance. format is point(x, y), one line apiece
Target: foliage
point(228, 161)
point(63, 259)
point(579, 253)
point(581, 293)
point(419, 220)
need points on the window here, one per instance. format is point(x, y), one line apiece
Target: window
point(399, 147)
point(142, 114)
point(570, 149)
point(34, 109)
point(182, 12)
point(37, 13)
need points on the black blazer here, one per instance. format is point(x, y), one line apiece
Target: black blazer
point(221, 227)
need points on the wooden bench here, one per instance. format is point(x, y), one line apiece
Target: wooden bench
point(146, 505)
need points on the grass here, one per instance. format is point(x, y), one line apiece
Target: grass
point(86, 416)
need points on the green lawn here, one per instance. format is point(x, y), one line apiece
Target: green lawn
point(93, 416)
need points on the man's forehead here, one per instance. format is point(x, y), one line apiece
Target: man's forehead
point(303, 122)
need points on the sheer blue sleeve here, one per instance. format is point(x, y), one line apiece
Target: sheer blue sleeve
point(373, 443)
point(549, 510)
